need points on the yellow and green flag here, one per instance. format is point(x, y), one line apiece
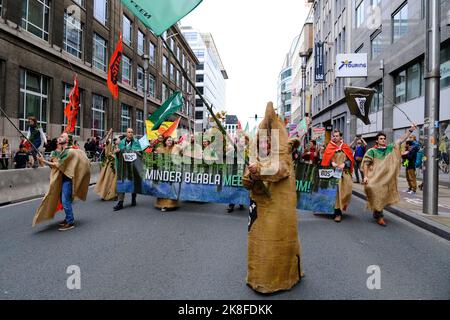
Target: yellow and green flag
point(169, 107)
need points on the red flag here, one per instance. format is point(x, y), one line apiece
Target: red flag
point(239, 127)
point(113, 70)
point(170, 130)
point(72, 108)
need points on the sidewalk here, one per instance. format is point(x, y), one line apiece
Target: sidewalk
point(410, 208)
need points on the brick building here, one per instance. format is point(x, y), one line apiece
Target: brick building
point(44, 42)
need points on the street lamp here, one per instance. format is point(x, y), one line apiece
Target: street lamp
point(146, 60)
point(303, 56)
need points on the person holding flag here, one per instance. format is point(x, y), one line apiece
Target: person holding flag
point(69, 179)
point(381, 166)
point(339, 155)
point(126, 168)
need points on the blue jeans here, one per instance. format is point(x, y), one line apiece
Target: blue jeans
point(66, 198)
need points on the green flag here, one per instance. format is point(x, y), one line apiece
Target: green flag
point(169, 107)
point(160, 15)
point(246, 128)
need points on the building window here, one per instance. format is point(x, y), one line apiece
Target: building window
point(178, 78)
point(35, 17)
point(140, 79)
point(179, 53)
point(81, 3)
point(400, 87)
point(172, 73)
point(400, 22)
point(408, 83)
point(200, 66)
point(164, 66)
point(445, 66)
point(376, 44)
point(65, 102)
point(101, 11)
point(377, 101)
point(413, 81)
point(126, 70)
point(141, 43)
point(125, 118)
point(99, 53)
point(376, 3)
point(98, 115)
point(73, 35)
point(127, 30)
point(199, 78)
point(164, 93)
point(151, 85)
point(360, 14)
point(33, 98)
point(139, 123)
point(152, 53)
point(198, 115)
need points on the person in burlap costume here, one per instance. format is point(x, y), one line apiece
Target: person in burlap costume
point(273, 244)
point(106, 186)
point(340, 156)
point(69, 179)
point(164, 204)
point(381, 166)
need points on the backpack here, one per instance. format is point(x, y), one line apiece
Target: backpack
point(419, 157)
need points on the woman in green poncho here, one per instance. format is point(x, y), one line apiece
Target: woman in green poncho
point(127, 171)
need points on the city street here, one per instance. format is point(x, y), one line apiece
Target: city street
point(199, 252)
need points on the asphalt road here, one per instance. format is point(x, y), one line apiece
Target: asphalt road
point(199, 252)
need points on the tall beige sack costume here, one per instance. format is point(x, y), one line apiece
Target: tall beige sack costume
point(74, 164)
point(383, 170)
point(273, 244)
point(106, 185)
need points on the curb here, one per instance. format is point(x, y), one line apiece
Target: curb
point(422, 222)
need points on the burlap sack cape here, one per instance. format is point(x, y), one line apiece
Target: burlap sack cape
point(74, 164)
point(383, 169)
point(106, 186)
point(273, 243)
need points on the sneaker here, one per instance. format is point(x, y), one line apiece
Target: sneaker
point(338, 218)
point(229, 210)
point(119, 206)
point(163, 209)
point(62, 223)
point(411, 192)
point(407, 190)
point(381, 222)
point(67, 226)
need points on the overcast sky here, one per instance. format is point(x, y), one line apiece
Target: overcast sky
point(252, 37)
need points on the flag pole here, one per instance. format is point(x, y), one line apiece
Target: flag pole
point(20, 132)
point(221, 128)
